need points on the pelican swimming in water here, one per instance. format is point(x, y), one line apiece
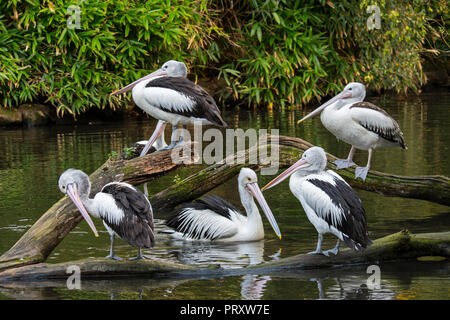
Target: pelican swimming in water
point(361, 124)
point(329, 202)
point(167, 95)
point(214, 219)
point(125, 211)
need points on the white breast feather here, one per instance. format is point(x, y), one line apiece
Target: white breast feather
point(205, 221)
point(168, 98)
point(106, 207)
point(372, 118)
point(318, 200)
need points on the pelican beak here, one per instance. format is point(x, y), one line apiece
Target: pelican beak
point(159, 130)
point(256, 192)
point(298, 165)
point(72, 192)
point(342, 95)
point(157, 73)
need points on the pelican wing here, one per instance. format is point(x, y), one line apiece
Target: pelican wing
point(208, 219)
point(376, 120)
point(182, 96)
point(334, 201)
point(136, 222)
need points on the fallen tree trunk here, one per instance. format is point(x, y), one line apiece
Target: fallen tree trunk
point(54, 225)
point(38, 242)
point(431, 188)
point(401, 246)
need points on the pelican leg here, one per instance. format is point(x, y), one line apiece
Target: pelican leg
point(346, 163)
point(319, 246)
point(159, 130)
point(146, 190)
point(181, 139)
point(139, 256)
point(173, 139)
point(335, 250)
point(111, 250)
point(361, 172)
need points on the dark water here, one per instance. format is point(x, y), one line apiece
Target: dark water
point(31, 161)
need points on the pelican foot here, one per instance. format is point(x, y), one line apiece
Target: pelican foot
point(141, 257)
point(333, 251)
point(361, 172)
point(315, 252)
point(170, 146)
point(114, 257)
point(343, 163)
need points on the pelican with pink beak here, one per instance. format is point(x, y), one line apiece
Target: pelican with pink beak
point(361, 124)
point(125, 211)
point(214, 219)
point(330, 204)
point(167, 95)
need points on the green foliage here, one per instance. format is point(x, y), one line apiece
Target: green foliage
point(285, 58)
point(294, 51)
point(41, 58)
point(281, 52)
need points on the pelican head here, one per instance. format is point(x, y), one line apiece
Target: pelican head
point(313, 160)
point(248, 185)
point(353, 92)
point(75, 183)
point(170, 68)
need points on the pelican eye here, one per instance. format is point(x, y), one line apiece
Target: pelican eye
point(349, 89)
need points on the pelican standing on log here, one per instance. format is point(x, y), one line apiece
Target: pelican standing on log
point(125, 211)
point(361, 124)
point(167, 95)
point(329, 202)
point(214, 219)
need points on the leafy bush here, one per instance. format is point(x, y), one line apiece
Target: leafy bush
point(285, 52)
point(41, 58)
point(298, 50)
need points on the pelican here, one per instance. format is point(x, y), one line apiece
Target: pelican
point(125, 211)
point(329, 202)
point(214, 219)
point(361, 124)
point(167, 95)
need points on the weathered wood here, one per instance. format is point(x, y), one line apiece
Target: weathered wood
point(51, 228)
point(401, 246)
point(431, 188)
point(38, 242)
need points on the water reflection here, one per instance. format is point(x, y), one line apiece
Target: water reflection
point(230, 255)
point(31, 161)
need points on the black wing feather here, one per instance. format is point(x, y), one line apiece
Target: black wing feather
point(204, 106)
point(213, 203)
point(354, 225)
point(393, 134)
point(137, 225)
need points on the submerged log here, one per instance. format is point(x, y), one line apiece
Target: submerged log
point(434, 188)
point(54, 225)
point(401, 246)
point(39, 241)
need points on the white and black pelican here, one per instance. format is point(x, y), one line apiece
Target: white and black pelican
point(361, 124)
point(125, 211)
point(167, 95)
point(214, 219)
point(329, 202)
